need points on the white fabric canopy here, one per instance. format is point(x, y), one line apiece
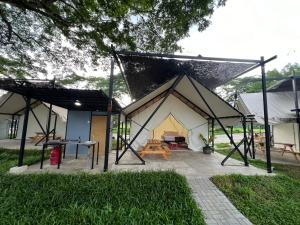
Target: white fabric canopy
point(12, 103)
point(192, 121)
point(195, 123)
point(280, 105)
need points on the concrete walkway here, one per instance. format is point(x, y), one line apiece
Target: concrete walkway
point(216, 208)
point(198, 168)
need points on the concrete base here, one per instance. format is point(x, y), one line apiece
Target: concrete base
point(18, 170)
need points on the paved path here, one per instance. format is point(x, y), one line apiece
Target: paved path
point(216, 208)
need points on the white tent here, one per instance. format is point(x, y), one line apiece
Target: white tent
point(283, 120)
point(187, 107)
point(4, 127)
point(14, 104)
point(280, 105)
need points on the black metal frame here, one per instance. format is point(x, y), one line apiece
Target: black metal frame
point(219, 122)
point(266, 116)
point(24, 132)
point(297, 110)
point(128, 146)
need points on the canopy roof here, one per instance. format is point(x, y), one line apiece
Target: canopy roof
point(187, 94)
point(14, 104)
point(146, 72)
point(91, 100)
point(280, 105)
point(285, 85)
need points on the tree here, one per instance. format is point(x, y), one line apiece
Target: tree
point(93, 82)
point(68, 33)
point(253, 84)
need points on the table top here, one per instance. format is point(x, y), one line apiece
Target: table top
point(64, 142)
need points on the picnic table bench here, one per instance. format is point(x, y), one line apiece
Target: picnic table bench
point(155, 147)
point(288, 147)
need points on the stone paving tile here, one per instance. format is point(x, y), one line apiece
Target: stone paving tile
point(216, 208)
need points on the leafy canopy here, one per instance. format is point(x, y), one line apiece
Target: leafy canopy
point(253, 84)
point(69, 34)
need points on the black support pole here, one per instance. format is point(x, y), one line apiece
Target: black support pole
point(118, 137)
point(245, 141)
point(109, 112)
point(213, 132)
point(48, 123)
point(122, 130)
point(49, 117)
point(266, 117)
point(127, 146)
point(54, 128)
point(296, 105)
point(16, 127)
point(217, 119)
point(126, 127)
point(24, 132)
point(12, 126)
point(252, 138)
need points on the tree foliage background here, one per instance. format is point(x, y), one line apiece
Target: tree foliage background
point(64, 36)
point(253, 84)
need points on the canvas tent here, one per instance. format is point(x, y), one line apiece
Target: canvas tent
point(184, 105)
point(172, 125)
point(281, 117)
point(13, 106)
point(147, 74)
point(4, 126)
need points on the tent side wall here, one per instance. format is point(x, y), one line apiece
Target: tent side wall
point(286, 133)
point(41, 111)
point(4, 128)
point(192, 121)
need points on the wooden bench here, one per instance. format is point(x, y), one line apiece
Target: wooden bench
point(289, 148)
point(155, 147)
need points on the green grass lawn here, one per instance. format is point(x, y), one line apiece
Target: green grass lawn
point(264, 199)
point(236, 130)
point(111, 198)
point(9, 158)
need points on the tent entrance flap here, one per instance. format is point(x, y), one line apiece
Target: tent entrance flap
point(170, 124)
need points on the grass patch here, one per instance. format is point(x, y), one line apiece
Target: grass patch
point(9, 158)
point(112, 198)
point(292, 171)
point(236, 130)
point(264, 199)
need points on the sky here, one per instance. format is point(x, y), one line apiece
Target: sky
point(250, 29)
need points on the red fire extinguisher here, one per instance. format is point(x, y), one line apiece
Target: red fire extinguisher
point(54, 155)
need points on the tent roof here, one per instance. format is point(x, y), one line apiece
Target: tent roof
point(186, 92)
point(285, 85)
point(280, 105)
point(146, 72)
point(91, 100)
point(11, 103)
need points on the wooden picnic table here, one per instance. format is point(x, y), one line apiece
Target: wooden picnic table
point(288, 147)
point(155, 147)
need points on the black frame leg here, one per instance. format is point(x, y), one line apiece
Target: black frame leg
point(42, 157)
point(76, 156)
